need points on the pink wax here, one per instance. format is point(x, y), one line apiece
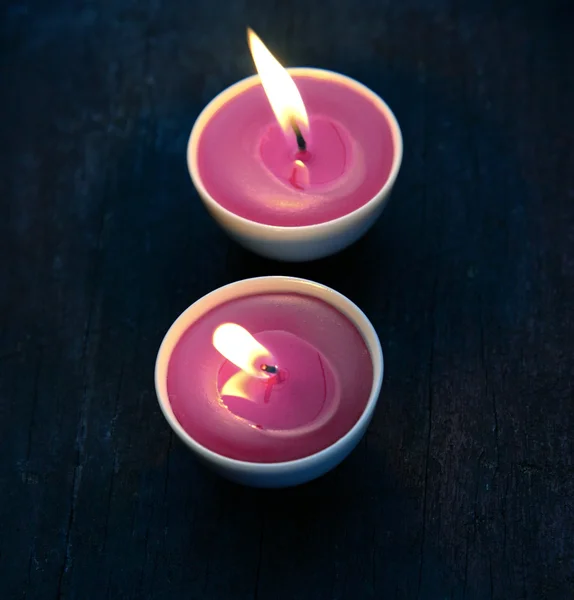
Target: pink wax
point(322, 386)
point(250, 167)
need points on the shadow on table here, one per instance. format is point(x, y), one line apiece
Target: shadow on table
point(349, 271)
point(358, 527)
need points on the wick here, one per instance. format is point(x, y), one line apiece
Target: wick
point(268, 390)
point(301, 143)
point(269, 369)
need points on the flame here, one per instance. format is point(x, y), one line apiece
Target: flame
point(238, 346)
point(236, 386)
point(280, 89)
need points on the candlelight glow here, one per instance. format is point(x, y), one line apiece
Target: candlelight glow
point(236, 386)
point(299, 175)
point(280, 89)
point(238, 346)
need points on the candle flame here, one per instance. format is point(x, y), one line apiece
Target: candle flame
point(280, 89)
point(236, 386)
point(238, 346)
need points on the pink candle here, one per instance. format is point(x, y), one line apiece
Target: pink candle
point(255, 173)
point(304, 386)
point(297, 164)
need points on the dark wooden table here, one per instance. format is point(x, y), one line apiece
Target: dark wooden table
point(464, 485)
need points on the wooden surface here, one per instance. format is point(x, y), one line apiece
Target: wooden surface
point(464, 485)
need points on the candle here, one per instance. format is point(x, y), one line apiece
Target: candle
point(292, 388)
point(295, 164)
point(270, 372)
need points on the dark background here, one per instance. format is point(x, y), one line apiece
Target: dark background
point(463, 487)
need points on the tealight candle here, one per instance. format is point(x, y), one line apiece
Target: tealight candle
point(295, 164)
point(271, 381)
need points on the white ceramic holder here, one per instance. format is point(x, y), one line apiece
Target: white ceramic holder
point(280, 474)
point(308, 242)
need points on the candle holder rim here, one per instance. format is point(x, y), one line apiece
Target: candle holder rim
point(302, 231)
point(373, 345)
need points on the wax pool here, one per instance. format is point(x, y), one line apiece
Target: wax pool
point(248, 167)
point(323, 385)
